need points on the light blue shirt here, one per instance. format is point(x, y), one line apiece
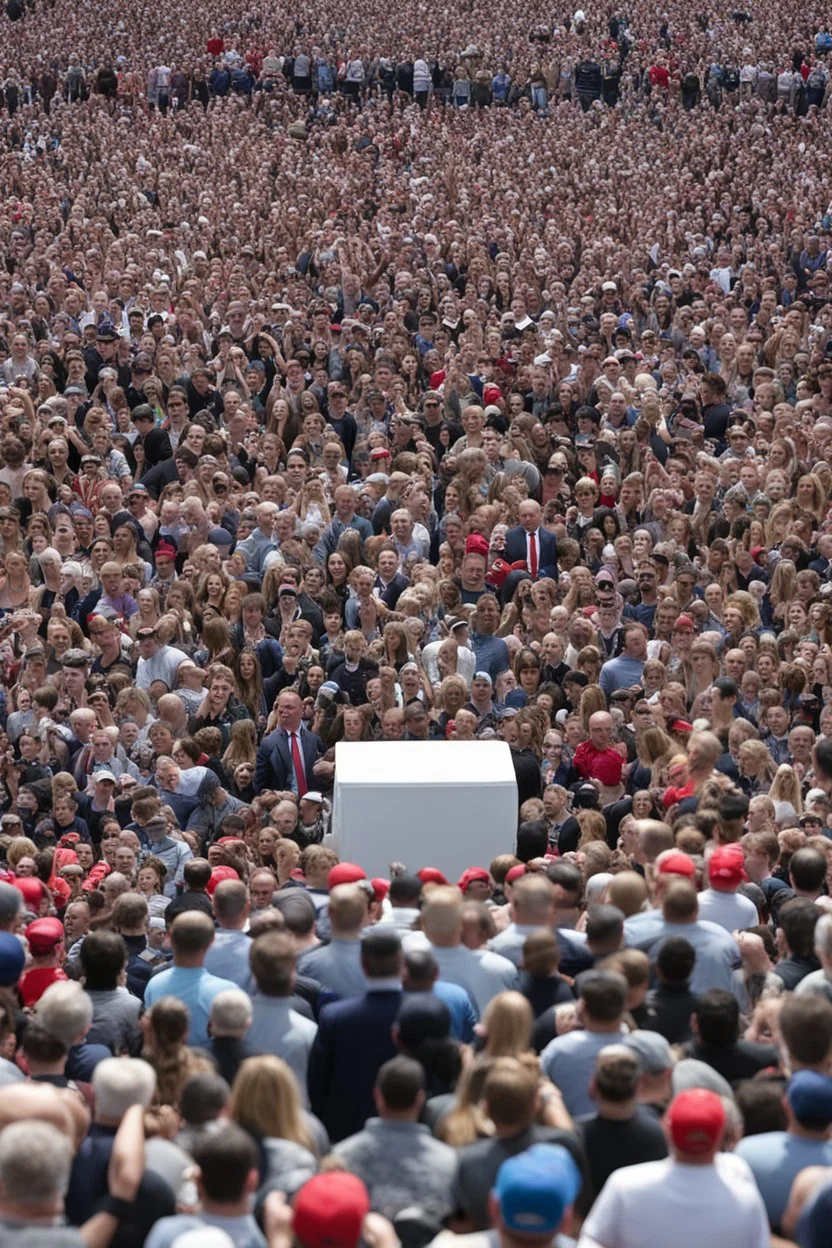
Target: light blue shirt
point(194, 986)
point(278, 1029)
point(716, 951)
point(243, 1231)
point(775, 1158)
point(620, 673)
point(228, 958)
point(569, 1061)
point(337, 966)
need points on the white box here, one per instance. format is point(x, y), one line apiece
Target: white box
point(449, 804)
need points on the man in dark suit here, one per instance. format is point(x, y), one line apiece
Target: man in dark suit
point(287, 756)
point(355, 1039)
point(155, 442)
point(528, 541)
point(390, 583)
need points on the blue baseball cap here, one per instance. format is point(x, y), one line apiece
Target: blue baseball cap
point(536, 1188)
point(810, 1097)
point(12, 959)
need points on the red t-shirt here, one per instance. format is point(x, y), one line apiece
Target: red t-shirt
point(35, 982)
point(603, 765)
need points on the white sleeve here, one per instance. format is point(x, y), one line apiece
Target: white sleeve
point(600, 1228)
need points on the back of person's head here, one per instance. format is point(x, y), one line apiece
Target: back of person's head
point(405, 890)
point(628, 891)
point(616, 1073)
point(603, 995)
point(191, 934)
point(510, 1094)
point(231, 1013)
point(272, 961)
point(118, 1083)
point(203, 1098)
point(532, 897)
point(35, 1161)
point(760, 1101)
point(568, 878)
point(230, 901)
point(717, 1016)
point(507, 1024)
point(442, 914)
point(228, 1163)
point(604, 928)
point(130, 912)
point(633, 964)
point(421, 969)
point(347, 909)
point(197, 873)
point(381, 954)
point(675, 960)
point(809, 1100)
point(680, 903)
point(269, 920)
point(541, 953)
point(167, 1024)
point(797, 920)
point(66, 1011)
point(401, 1084)
point(805, 1026)
point(532, 839)
point(41, 1046)
point(807, 870)
point(103, 955)
point(298, 910)
point(654, 838)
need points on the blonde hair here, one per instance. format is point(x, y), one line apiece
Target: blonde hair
point(266, 1101)
point(785, 787)
point(20, 847)
point(508, 1022)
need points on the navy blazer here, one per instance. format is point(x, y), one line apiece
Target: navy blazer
point(274, 769)
point(517, 548)
point(354, 1041)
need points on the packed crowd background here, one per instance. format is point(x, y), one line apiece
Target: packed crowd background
point(392, 375)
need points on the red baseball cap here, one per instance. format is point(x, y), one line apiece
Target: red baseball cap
point(684, 623)
point(491, 394)
point(471, 875)
point(696, 1120)
point(43, 935)
point(31, 889)
point(380, 887)
point(515, 873)
point(345, 873)
point(166, 550)
point(726, 867)
point(431, 875)
point(330, 1211)
point(476, 545)
point(379, 452)
point(218, 875)
point(674, 862)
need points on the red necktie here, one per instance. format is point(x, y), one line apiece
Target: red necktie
point(298, 765)
point(533, 555)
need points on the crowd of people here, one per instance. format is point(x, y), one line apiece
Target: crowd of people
point(386, 376)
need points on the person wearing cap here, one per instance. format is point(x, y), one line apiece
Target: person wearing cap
point(722, 903)
point(777, 1157)
point(529, 542)
point(157, 661)
point(45, 938)
point(697, 1196)
point(457, 627)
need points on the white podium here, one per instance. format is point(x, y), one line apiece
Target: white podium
point(445, 804)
